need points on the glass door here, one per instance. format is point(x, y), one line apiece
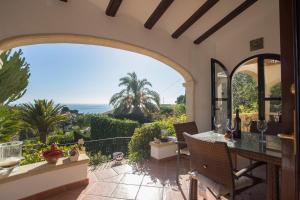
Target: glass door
point(219, 94)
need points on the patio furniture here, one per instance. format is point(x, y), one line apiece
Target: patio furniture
point(211, 167)
point(180, 128)
point(248, 146)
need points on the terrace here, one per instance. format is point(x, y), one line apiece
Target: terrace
point(151, 181)
point(208, 43)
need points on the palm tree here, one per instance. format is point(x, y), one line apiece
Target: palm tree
point(41, 116)
point(136, 98)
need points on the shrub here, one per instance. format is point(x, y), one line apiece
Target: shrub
point(106, 127)
point(33, 150)
point(167, 123)
point(86, 135)
point(166, 110)
point(58, 138)
point(179, 109)
point(139, 148)
point(98, 158)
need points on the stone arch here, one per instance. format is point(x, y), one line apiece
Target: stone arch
point(23, 40)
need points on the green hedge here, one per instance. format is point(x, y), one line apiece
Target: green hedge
point(139, 148)
point(106, 127)
point(167, 123)
point(81, 135)
point(67, 137)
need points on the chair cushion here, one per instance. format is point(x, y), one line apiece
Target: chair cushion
point(184, 151)
point(219, 189)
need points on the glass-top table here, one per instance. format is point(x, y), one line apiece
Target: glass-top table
point(250, 147)
point(249, 142)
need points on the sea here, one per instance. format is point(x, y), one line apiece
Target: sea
point(90, 108)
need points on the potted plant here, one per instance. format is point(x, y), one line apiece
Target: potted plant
point(73, 154)
point(53, 154)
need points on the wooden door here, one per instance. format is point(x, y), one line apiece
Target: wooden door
point(289, 31)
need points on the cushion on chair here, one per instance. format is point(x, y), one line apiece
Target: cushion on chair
point(184, 151)
point(217, 189)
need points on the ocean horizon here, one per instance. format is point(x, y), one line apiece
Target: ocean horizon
point(89, 108)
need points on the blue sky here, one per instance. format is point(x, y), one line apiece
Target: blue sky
point(89, 74)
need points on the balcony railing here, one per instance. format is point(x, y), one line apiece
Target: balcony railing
point(108, 146)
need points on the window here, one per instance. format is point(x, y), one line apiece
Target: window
point(220, 93)
point(254, 87)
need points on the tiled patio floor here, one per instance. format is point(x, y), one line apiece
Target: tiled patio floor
point(153, 181)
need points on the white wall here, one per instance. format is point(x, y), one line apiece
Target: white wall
point(233, 42)
point(229, 45)
point(42, 182)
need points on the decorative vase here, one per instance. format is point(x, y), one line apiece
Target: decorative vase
point(53, 154)
point(73, 154)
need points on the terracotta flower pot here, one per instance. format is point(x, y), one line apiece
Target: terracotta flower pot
point(52, 159)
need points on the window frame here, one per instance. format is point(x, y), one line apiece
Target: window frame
point(214, 99)
point(261, 84)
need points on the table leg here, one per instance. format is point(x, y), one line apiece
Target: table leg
point(193, 193)
point(272, 182)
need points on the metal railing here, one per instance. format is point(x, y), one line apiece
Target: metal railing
point(108, 146)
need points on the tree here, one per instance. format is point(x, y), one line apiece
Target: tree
point(136, 100)
point(14, 75)
point(9, 125)
point(180, 99)
point(41, 116)
point(244, 92)
point(179, 109)
point(275, 106)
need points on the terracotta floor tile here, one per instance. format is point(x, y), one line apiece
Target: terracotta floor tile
point(150, 193)
point(105, 173)
point(65, 196)
point(132, 179)
point(114, 179)
point(94, 197)
point(174, 194)
point(125, 191)
point(92, 177)
point(105, 184)
point(102, 188)
point(123, 169)
point(152, 181)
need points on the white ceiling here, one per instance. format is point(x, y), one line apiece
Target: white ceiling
point(179, 12)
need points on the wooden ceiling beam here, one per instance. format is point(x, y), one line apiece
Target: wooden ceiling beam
point(158, 12)
point(225, 20)
point(196, 16)
point(113, 7)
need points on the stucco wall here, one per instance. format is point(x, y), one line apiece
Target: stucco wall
point(229, 45)
point(233, 42)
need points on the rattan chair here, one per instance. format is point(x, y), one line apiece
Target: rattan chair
point(211, 167)
point(188, 127)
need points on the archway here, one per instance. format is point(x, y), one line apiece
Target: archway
point(85, 39)
point(256, 89)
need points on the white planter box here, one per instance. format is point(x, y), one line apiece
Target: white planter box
point(163, 150)
point(40, 177)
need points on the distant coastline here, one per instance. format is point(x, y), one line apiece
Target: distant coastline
point(89, 108)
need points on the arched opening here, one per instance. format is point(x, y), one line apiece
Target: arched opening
point(253, 88)
point(84, 39)
point(256, 89)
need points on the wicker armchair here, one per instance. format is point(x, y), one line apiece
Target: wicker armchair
point(188, 127)
point(211, 167)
